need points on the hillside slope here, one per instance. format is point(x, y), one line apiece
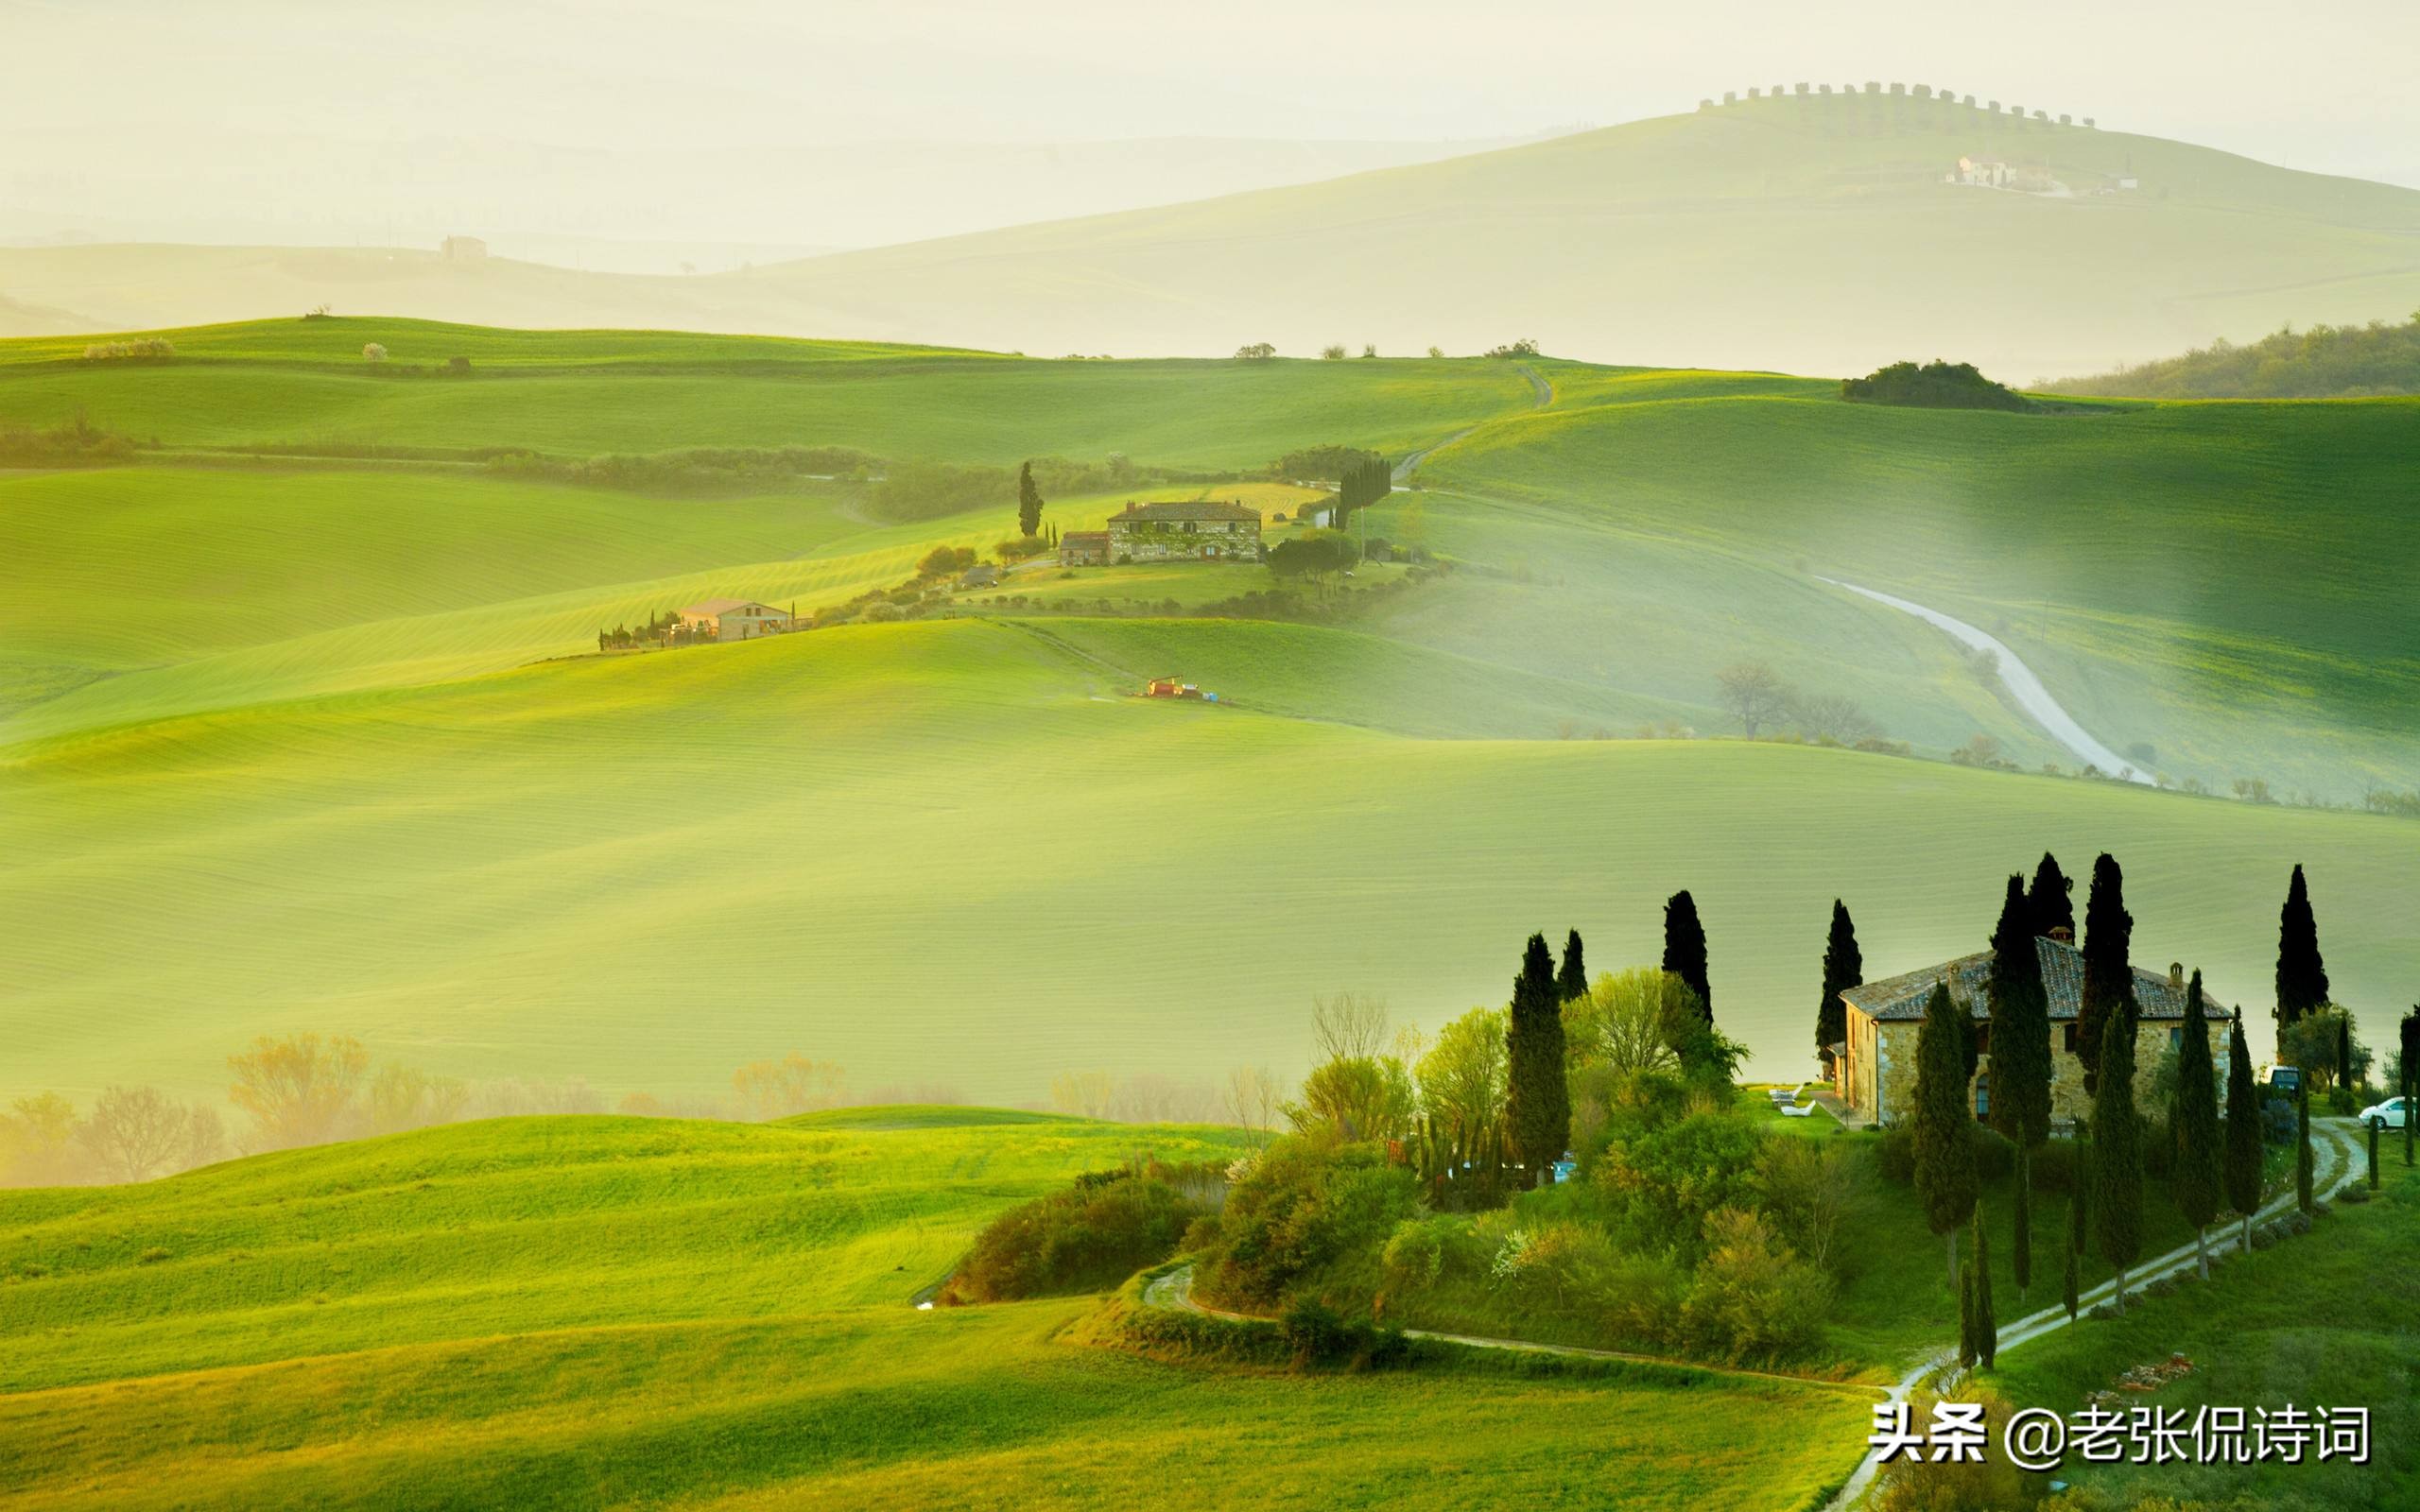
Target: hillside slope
point(1815, 234)
point(959, 847)
point(609, 1311)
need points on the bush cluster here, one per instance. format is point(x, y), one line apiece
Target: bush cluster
point(1103, 1229)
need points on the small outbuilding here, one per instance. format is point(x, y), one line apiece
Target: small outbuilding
point(1084, 548)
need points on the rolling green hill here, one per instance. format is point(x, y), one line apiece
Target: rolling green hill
point(2325, 362)
point(1815, 234)
point(544, 1313)
point(949, 850)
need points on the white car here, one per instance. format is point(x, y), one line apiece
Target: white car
point(2389, 1115)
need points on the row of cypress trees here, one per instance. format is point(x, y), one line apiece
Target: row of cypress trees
point(2216, 1166)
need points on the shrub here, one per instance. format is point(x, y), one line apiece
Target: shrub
point(151, 1257)
point(153, 346)
point(1303, 1206)
point(373, 351)
point(2054, 1166)
point(1106, 1227)
point(1934, 386)
point(1414, 1256)
point(1915, 1483)
point(1752, 1297)
point(1665, 1179)
point(1319, 1336)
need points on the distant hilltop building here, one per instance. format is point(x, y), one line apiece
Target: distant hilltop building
point(1900, 95)
point(462, 249)
point(1192, 530)
point(735, 619)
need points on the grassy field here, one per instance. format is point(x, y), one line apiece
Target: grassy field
point(2329, 1320)
point(298, 383)
point(940, 849)
point(719, 1317)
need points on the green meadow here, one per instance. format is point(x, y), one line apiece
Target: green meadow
point(622, 1311)
point(291, 745)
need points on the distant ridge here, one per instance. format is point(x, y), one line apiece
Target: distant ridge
point(1815, 234)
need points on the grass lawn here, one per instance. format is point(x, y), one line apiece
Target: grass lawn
point(571, 1312)
point(2328, 1319)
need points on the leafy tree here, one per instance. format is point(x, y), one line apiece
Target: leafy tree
point(2243, 1169)
point(2343, 1049)
point(1752, 694)
point(1946, 1179)
point(1625, 1021)
point(2321, 1042)
point(2108, 976)
point(2302, 978)
point(1333, 352)
point(1461, 1081)
point(1684, 948)
point(1572, 979)
point(2195, 1183)
point(1355, 1098)
point(2117, 1151)
point(1256, 351)
point(1934, 386)
point(298, 1088)
point(2048, 899)
point(1029, 501)
point(1843, 967)
point(1538, 1101)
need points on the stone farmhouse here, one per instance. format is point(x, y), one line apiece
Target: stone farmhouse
point(1084, 548)
point(1874, 1068)
point(734, 619)
point(1194, 531)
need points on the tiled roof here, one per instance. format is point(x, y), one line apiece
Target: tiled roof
point(1087, 537)
point(724, 605)
point(1903, 997)
point(1188, 510)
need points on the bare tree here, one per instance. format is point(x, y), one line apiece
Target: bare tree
point(1349, 1025)
point(1831, 716)
point(1254, 1098)
point(133, 1133)
point(1752, 694)
point(779, 1088)
point(404, 1097)
point(1085, 1093)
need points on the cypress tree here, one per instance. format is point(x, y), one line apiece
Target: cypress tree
point(1572, 980)
point(2117, 1152)
point(2049, 900)
point(2374, 1154)
point(1966, 1346)
point(2302, 1146)
point(2068, 1294)
point(2411, 1077)
point(1537, 1104)
point(1987, 1327)
point(2080, 1205)
point(2020, 1059)
point(2108, 978)
point(2302, 978)
point(2195, 1185)
point(1843, 967)
point(1684, 948)
point(1943, 1127)
point(2344, 1048)
point(1028, 500)
point(2243, 1132)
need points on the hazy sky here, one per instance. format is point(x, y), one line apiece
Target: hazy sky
point(119, 88)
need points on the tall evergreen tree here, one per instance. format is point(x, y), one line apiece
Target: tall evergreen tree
point(2345, 1049)
point(2302, 1146)
point(2196, 1182)
point(1943, 1131)
point(1987, 1327)
point(2411, 1079)
point(2117, 1152)
point(2108, 976)
point(1572, 980)
point(1537, 1104)
point(2020, 1102)
point(2243, 1132)
point(2049, 900)
point(2302, 978)
point(1843, 967)
point(1029, 501)
point(1684, 948)
point(2067, 1291)
point(1967, 1349)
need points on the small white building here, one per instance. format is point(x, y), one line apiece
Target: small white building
point(462, 249)
point(1991, 173)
